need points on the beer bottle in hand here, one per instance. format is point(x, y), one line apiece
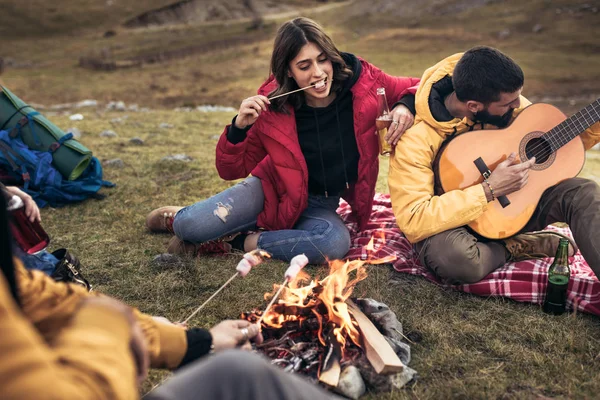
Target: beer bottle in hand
point(383, 122)
point(558, 281)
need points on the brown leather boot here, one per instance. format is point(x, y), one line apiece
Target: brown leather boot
point(161, 219)
point(541, 244)
point(178, 246)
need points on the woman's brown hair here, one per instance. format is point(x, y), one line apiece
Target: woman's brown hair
point(290, 39)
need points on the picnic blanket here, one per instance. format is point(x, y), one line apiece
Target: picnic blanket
point(523, 281)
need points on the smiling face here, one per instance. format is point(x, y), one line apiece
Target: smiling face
point(312, 67)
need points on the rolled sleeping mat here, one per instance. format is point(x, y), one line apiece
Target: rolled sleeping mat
point(70, 157)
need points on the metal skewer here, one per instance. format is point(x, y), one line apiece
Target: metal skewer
point(284, 284)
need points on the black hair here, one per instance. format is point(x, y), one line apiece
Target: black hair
point(484, 73)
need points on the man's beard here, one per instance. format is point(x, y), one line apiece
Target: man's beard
point(501, 121)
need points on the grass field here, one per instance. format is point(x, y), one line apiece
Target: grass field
point(471, 347)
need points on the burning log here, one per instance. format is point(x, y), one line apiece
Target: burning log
point(378, 351)
point(331, 369)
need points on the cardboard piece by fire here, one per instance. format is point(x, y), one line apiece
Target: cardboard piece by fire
point(378, 351)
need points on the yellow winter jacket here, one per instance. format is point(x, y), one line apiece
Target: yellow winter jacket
point(49, 306)
point(88, 358)
point(419, 212)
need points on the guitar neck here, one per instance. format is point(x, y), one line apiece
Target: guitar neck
point(573, 126)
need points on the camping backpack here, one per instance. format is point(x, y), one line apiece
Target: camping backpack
point(35, 172)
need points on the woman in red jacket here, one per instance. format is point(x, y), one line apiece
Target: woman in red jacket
point(303, 150)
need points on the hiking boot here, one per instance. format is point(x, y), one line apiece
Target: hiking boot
point(542, 244)
point(219, 246)
point(161, 219)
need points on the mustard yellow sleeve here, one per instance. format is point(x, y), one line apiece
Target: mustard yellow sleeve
point(591, 136)
point(419, 212)
point(48, 305)
point(90, 358)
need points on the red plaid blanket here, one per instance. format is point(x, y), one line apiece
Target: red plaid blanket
point(522, 281)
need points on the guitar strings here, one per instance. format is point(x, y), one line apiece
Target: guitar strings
point(548, 143)
point(563, 129)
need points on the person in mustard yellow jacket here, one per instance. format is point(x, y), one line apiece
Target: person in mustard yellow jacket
point(97, 349)
point(480, 89)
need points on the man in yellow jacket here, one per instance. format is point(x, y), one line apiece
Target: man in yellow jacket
point(480, 89)
point(59, 342)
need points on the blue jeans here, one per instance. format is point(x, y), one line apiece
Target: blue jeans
point(319, 233)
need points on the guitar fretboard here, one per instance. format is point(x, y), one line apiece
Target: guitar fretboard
point(567, 130)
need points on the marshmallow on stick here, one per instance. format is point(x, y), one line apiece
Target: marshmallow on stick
point(297, 263)
point(250, 260)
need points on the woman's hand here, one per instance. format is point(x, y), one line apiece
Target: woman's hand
point(250, 109)
point(31, 209)
point(230, 334)
point(402, 119)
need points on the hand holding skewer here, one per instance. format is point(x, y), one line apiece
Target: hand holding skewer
point(252, 107)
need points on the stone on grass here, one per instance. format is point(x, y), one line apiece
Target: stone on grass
point(537, 28)
point(178, 157)
point(76, 117)
point(108, 133)
point(166, 261)
point(137, 141)
point(114, 163)
point(351, 384)
point(165, 125)
point(116, 106)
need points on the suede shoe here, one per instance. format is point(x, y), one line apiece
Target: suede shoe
point(541, 244)
point(161, 219)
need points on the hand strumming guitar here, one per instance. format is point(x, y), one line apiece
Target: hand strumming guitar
point(508, 177)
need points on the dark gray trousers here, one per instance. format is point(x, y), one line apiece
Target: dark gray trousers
point(460, 257)
point(236, 375)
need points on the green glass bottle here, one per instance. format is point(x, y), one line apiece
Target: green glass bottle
point(559, 274)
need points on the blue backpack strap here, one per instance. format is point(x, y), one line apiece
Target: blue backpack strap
point(12, 156)
point(56, 145)
point(30, 121)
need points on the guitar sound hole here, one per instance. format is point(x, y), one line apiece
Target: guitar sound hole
point(538, 148)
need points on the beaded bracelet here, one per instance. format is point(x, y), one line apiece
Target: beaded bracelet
point(491, 189)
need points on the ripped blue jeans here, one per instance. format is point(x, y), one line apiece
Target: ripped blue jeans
point(319, 233)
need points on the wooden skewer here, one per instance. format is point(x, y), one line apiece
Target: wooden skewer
point(284, 284)
point(294, 91)
point(211, 297)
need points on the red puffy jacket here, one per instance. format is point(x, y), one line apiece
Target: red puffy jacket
point(271, 152)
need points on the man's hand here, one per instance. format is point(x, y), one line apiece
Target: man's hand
point(510, 175)
point(230, 334)
point(402, 119)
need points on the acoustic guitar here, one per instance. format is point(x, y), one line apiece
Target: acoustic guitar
point(540, 130)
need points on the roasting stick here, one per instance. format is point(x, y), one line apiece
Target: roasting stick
point(297, 90)
point(297, 263)
point(250, 260)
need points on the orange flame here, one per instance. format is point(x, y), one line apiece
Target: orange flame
point(324, 298)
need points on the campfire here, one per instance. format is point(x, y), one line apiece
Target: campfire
point(314, 328)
